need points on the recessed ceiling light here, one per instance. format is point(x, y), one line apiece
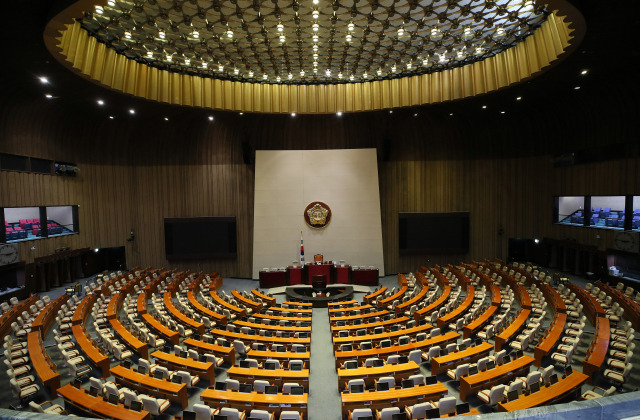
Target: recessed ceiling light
point(43, 80)
point(391, 111)
point(577, 87)
point(415, 115)
point(210, 117)
point(339, 114)
point(132, 111)
point(293, 114)
point(484, 107)
point(451, 114)
point(583, 72)
point(48, 96)
point(166, 119)
point(242, 113)
point(502, 112)
point(111, 117)
point(100, 102)
point(519, 98)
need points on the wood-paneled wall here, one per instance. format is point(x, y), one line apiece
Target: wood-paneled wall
point(137, 170)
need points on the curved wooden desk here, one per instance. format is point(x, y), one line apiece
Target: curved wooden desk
point(93, 353)
point(202, 347)
point(218, 318)
point(376, 338)
point(371, 325)
point(275, 377)
point(261, 356)
point(256, 326)
point(548, 394)
point(512, 329)
point(48, 314)
point(550, 339)
point(597, 352)
point(500, 374)
point(180, 317)
point(459, 311)
point(363, 317)
point(96, 406)
point(269, 300)
point(247, 401)
point(131, 341)
point(204, 370)
point(440, 364)
point(405, 306)
point(42, 364)
point(477, 324)
point(149, 385)
point(399, 371)
point(377, 400)
point(164, 331)
point(373, 296)
point(246, 338)
point(421, 313)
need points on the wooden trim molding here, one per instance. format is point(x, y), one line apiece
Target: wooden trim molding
point(71, 45)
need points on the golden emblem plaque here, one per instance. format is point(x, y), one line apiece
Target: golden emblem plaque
point(317, 215)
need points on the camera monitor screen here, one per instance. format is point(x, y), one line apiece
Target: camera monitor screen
point(356, 389)
point(382, 386)
point(271, 389)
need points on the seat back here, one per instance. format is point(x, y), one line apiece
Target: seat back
point(447, 405)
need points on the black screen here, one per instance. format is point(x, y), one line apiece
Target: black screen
point(382, 386)
point(200, 238)
point(271, 389)
point(297, 390)
point(356, 389)
point(437, 233)
point(246, 388)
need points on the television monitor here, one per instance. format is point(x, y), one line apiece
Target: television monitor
point(270, 365)
point(77, 383)
point(378, 363)
point(245, 364)
point(142, 370)
point(202, 358)
point(158, 374)
point(535, 387)
point(512, 395)
point(385, 344)
point(346, 347)
point(176, 379)
point(399, 416)
point(407, 383)
point(382, 386)
point(167, 349)
point(356, 389)
point(491, 364)
point(361, 333)
point(281, 349)
point(196, 337)
point(568, 371)
point(433, 233)
point(262, 347)
point(303, 335)
point(126, 364)
point(273, 322)
point(220, 386)
point(252, 332)
point(394, 328)
point(443, 352)
point(366, 346)
point(357, 321)
point(433, 413)
point(219, 417)
point(246, 388)
point(296, 367)
point(506, 359)
point(519, 354)
point(341, 323)
point(553, 378)
point(268, 333)
point(113, 399)
point(211, 340)
point(183, 354)
point(188, 415)
point(93, 391)
point(137, 406)
point(297, 390)
point(403, 359)
point(351, 364)
point(301, 349)
point(271, 389)
point(200, 238)
point(473, 370)
point(462, 408)
point(462, 346)
point(431, 380)
point(365, 418)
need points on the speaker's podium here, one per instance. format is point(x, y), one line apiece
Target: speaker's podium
point(318, 268)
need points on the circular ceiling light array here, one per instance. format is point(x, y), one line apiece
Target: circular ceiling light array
point(388, 39)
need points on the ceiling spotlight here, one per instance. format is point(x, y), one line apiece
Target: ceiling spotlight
point(220, 67)
point(229, 33)
point(315, 38)
point(577, 87)
point(315, 48)
point(301, 73)
point(187, 61)
point(519, 98)
point(265, 77)
point(425, 62)
point(315, 27)
point(293, 114)
point(348, 37)
point(339, 75)
point(351, 77)
point(169, 58)
point(282, 38)
point(583, 72)
point(195, 34)
point(242, 113)
point(415, 115)
point(204, 64)
point(166, 119)
point(401, 31)
point(100, 102)
point(365, 75)
point(315, 14)
point(210, 117)
point(484, 107)
point(132, 111)
point(161, 35)
point(391, 111)
point(236, 71)
point(111, 117)
point(479, 50)
point(315, 70)
point(290, 76)
point(111, 3)
point(150, 54)
point(502, 112)
point(43, 80)
point(280, 27)
point(339, 114)
point(328, 72)
point(278, 79)
point(250, 74)
point(316, 1)
point(48, 96)
point(99, 10)
point(351, 26)
point(315, 64)
point(127, 35)
point(393, 69)
point(451, 114)
point(443, 58)
point(315, 56)
point(408, 65)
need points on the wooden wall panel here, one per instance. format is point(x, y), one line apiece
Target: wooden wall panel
point(136, 171)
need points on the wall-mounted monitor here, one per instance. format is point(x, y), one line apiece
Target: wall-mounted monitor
point(433, 233)
point(200, 238)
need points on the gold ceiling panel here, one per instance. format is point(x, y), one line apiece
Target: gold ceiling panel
point(69, 40)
